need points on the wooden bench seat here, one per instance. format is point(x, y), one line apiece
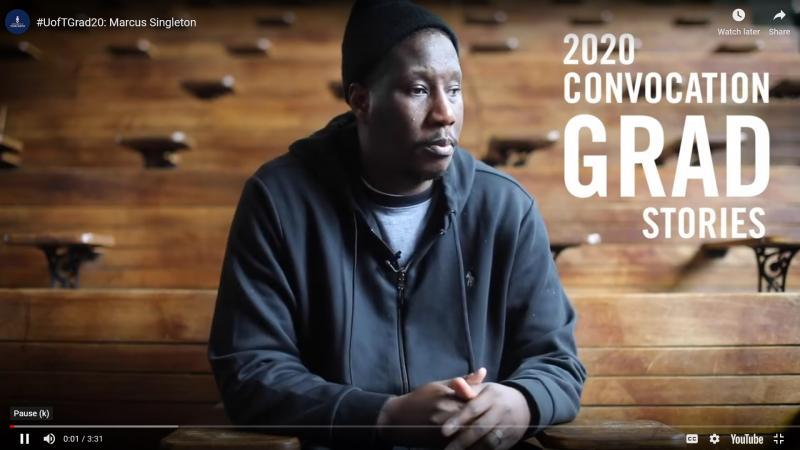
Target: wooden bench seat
point(161, 220)
point(214, 438)
point(65, 252)
point(276, 82)
point(131, 356)
point(160, 265)
point(609, 267)
point(773, 255)
point(158, 151)
point(138, 356)
point(164, 79)
point(160, 262)
point(240, 136)
point(79, 187)
point(97, 187)
point(307, 80)
point(153, 244)
point(86, 140)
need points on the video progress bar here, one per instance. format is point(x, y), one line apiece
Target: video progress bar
point(14, 427)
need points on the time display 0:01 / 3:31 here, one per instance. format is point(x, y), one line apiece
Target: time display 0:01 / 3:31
point(82, 438)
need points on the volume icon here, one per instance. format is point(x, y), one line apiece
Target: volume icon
point(50, 439)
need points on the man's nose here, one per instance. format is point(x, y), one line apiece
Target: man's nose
point(442, 110)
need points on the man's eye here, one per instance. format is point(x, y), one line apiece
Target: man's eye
point(418, 90)
point(455, 90)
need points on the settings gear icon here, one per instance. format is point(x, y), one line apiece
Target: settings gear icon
point(714, 439)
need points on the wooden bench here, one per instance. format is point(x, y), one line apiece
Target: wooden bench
point(141, 48)
point(73, 105)
point(209, 89)
point(153, 245)
point(257, 134)
point(109, 356)
point(65, 252)
point(10, 148)
point(773, 256)
point(558, 245)
point(10, 152)
point(156, 150)
point(695, 362)
point(662, 267)
point(691, 360)
point(515, 150)
point(487, 18)
point(786, 88)
point(161, 248)
point(216, 438)
point(250, 48)
point(78, 134)
point(94, 187)
point(160, 219)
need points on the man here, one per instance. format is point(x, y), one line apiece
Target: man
point(377, 263)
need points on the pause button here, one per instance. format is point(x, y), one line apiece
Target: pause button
point(24, 439)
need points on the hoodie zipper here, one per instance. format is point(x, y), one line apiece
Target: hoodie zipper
point(401, 346)
point(401, 281)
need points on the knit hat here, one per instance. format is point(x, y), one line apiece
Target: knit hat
point(375, 27)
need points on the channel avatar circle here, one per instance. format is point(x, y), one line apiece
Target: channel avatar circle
point(17, 21)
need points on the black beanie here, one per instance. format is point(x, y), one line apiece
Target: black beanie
point(374, 28)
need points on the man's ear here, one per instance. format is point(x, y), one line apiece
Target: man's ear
point(358, 98)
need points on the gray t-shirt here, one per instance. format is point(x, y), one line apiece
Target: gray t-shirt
point(401, 218)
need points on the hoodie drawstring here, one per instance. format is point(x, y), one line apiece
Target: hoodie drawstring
point(352, 299)
point(464, 309)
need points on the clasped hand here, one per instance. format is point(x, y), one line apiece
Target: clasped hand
point(462, 413)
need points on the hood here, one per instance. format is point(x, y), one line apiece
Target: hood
point(332, 154)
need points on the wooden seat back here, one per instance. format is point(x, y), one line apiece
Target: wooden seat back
point(139, 356)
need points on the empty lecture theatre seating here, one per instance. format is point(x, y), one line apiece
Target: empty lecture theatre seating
point(123, 153)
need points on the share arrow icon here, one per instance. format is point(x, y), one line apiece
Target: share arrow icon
point(780, 15)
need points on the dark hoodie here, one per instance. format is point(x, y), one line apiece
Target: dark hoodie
point(316, 325)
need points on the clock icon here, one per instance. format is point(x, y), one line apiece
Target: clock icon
point(738, 14)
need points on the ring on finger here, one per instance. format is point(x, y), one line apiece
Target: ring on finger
point(496, 437)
